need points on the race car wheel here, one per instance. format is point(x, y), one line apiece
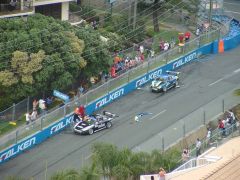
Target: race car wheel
point(90, 131)
point(108, 125)
point(176, 84)
point(164, 89)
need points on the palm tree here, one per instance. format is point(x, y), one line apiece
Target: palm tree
point(70, 174)
point(90, 173)
point(105, 156)
point(14, 178)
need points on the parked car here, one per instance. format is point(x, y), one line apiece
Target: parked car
point(165, 82)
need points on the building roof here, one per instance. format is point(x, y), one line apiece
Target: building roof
point(226, 168)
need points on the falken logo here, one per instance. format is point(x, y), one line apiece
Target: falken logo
point(61, 125)
point(148, 77)
point(109, 98)
point(184, 60)
point(17, 149)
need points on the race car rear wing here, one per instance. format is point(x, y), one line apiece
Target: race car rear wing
point(108, 114)
point(174, 73)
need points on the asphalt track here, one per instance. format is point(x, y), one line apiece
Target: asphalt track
point(202, 81)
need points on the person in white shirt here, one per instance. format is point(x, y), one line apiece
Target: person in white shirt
point(28, 118)
point(166, 46)
point(198, 147)
point(34, 116)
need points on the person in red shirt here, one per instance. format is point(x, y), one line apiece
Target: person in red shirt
point(187, 36)
point(82, 111)
point(181, 38)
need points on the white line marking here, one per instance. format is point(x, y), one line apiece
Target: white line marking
point(216, 82)
point(88, 156)
point(234, 12)
point(163, 111)
point(232, 3)
point(237, 70)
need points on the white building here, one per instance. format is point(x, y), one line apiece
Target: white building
point(58, 9)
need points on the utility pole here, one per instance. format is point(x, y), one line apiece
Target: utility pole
point(210, 13)
point(135, 13)
point(129, 12)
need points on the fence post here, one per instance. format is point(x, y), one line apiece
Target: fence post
point(128, 76)
point(16, 137)
point(13, 112)
point(64, 110)
point(204, 117)
point(28, 101)
point(148, 67)
point(184, 129)
point(223, 104)
point(162, 143)
point(41, 125)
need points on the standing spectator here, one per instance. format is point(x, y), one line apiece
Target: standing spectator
point(166, 46)
point(152, 53)
point(81, 90)
point(161, 174)
point(28, 118)
point(42, 106)
point(35, 104)
point(187, 36)
point(197, 31)
point(232, 116)
point(34, 115)
point(141, 49)
point(208, 137)
point(185, 155)
point(221, 127)
point(198, 147)
point(181, 38)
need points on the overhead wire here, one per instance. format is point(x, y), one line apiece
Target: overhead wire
point(89, 43)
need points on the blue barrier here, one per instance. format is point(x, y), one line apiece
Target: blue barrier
point(40, 136)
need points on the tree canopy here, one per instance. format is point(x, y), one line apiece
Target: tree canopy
point(39, 54)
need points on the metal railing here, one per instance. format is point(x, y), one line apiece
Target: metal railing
point(16, 7)
point(107, 87)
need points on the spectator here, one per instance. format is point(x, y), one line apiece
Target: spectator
point(198, 147)
point(34, 115)
point(161, 45)
point(28, 118)
point(152, 53)
point(42, 106)
point(181, 38)
point(161, 174)
point(152, 177)
point(208, 137)
point(185, 155)
point(197, 31)
point(141, 49)
point(49, 101)
point(232, 117)
point(221, 127)
point(81, 90)
point(35, 104)
point(187, 36)
point(166, 46)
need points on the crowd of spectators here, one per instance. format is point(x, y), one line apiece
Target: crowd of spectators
point(39, 108)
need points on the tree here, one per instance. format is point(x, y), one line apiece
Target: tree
point(90, 173)
point(70, 174)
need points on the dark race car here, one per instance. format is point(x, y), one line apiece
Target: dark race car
point(165, 82)
point(93, 124)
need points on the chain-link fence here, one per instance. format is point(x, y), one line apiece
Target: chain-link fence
point(105, 88)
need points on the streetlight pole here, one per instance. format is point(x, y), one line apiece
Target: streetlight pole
point(210, 13)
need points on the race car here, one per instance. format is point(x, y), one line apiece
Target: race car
point(165, 82)
point(92, 124)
